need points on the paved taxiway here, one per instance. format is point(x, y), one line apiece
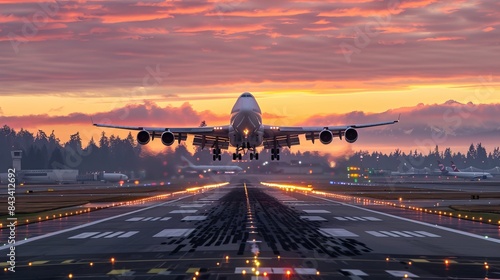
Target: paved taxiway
point(309, 236)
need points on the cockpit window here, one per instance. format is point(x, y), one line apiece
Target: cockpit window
point(246, 95)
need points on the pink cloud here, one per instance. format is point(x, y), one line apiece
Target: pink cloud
point(108, 44)
point(442, 39)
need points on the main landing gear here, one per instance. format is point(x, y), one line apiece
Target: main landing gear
point(275, 154)
point(216, 154)
point(253, 152)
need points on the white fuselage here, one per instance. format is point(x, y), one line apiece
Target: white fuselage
point(113, 177)
point(246, 122)
point(470, 175)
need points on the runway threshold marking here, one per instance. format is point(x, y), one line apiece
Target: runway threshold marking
point(358, 219)
point(18, 243)
point(107, 234)
point(490, 239)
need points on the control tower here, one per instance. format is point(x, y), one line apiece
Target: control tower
point(17, 155)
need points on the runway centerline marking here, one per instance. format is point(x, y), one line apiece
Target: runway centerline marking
point(18, 243)
point(490, 239)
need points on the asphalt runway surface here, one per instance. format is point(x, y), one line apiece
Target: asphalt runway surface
point(248, 231)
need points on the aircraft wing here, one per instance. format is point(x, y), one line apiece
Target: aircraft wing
point(204, 136)
point(286, 136)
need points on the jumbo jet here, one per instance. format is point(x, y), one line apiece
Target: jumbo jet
point(212, 168)
point(460, 174)
point(246, 132)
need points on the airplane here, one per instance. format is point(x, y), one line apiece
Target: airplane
point(246, 132)
point(473, 175)
point(113, 177)
point(212, 168)
point(465, 175)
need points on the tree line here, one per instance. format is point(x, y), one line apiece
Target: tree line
point(114, 154)
point(476, 156)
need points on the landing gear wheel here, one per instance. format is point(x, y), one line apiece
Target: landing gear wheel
point(277, 157)
point(239, 156)
point(272, 157)
point(234, 156)
point(213, 157)
point(256, 156)
point(251, 156)
point(220, 157)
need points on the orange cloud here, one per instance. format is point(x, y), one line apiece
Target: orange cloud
point(442, 39)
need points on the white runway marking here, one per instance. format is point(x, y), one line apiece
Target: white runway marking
point(148, 219)
point(102, 234)
point(317, 211)
point(193, 205)
point(18, 243)
point(395, 233)
point(490, 239)
point(376, 233)
point(362, 219)
point(114, 234)
point(128, 234)
point(135, 219)
point(313, 218)
point(107, 234)
point(337, 232)
point(401, 273)
point(354, 272)
point(183, 211)
point(83, 235)
point(194, 218)
point(306, 271)
point(174, 232)
point(427, 233)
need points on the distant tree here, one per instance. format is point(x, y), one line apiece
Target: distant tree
point(56, 160)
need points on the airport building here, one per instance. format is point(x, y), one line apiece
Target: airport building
point(55, 176)
point(40, 176)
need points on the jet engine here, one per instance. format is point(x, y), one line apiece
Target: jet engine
point(325, 136)
point(143, 137)
point(351, 135)
point(167, 138)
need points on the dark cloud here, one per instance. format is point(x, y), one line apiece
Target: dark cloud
point(93, 47)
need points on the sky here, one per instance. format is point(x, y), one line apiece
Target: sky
point(176, 63)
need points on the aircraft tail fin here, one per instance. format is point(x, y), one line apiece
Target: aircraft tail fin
point(454, 167)
point(441, 166)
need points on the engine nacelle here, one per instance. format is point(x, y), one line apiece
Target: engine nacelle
point(143, 137)
point(351, 135)
point(325, 136)
point(167, 138)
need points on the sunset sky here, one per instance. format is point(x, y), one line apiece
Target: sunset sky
point(176, 63)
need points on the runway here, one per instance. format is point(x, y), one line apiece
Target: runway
point(248, 231)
